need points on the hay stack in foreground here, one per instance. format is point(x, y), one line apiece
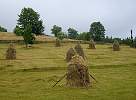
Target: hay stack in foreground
point(70, 53)
point(79, 50)
point(11, 52)
point(92, 44)
point(116, 46)
point(58, 44)
point(77, 73)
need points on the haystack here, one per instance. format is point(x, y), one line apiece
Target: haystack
point(77, 73)
point(70, 53)
point(11, 52)
point(58, 43)
point(92, 44)
point(79, 50)
point(116, 46)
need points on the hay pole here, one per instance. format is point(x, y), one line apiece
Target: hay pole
point(59, 80)
point(85, 83)
point(93, 77)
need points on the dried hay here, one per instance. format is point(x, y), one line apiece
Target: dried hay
point(70, 53)
point(77, 73)
point(11, 52)
point(116, 46)
point(79, 50)
point(58, 43)
point(92, 44)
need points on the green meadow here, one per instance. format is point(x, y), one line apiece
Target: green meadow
point(34, 72)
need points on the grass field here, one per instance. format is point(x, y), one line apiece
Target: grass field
point(36, 69)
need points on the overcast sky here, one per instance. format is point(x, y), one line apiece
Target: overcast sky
point(118, 16)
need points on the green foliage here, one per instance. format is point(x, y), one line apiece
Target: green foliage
point(29, 16)
point(55, 30)
point(60, 35)
point(126, 41)
point(72, 33)
point(2, 29)
point(108, 40)
point(97, 31)
point(84, 36)
point(18, 31)
point(28, 36)
point(134, 43)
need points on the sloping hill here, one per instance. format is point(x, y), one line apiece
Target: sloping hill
point(9, 36)
point(12, 36)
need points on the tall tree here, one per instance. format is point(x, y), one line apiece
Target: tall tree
point(72, 33)
point(131, 44)
point(2, 29)
point(97, 31)
point(29, 16)
point(28, 35)
point(55, 30)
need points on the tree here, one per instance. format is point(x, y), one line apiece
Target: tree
point(18, 31)
point(2, 29)
point(97, 31)
point(84, 36)
point(60, 35)
point(127, 41)
point(108, 39)
point(72, 33)
point(134, 43)
point(28, 36)
point(55, 30)
point(29, 16)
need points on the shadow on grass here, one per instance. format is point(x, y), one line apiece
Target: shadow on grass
point(111, 66)
point(44, 69)
point(29, 59)
point(41, 69)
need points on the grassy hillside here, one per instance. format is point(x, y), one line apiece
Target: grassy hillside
point(12, 36)
point(36, 69)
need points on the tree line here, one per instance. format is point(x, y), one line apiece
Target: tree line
point(2, 29)
point(30, 24)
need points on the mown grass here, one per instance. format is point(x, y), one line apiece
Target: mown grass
point(36, 69)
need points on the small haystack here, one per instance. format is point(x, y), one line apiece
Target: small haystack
point(79, 50)
point(77, 73)
point(70, 53)
point(116, 46)
point(92, 44)
point(58, 43)
point(11, 52)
